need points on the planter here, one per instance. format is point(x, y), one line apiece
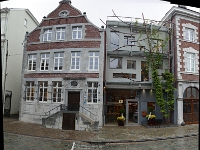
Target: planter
point(151, 121)
point(120, 123)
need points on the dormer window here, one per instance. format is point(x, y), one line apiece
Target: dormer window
point(64, 13)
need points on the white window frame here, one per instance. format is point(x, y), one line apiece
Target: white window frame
point(25, 22)
point(190, 62)
point(47, 36)
point(189, 34)
point(60, 33)
point(75, 60)
point(58, 61)
point(117, 61)
point(44, 60)
point(93, 61)
point(30, 90)
point(43, 86)
point(57, 90)
point(32, 62)
point(91, 93)
point(76, 31)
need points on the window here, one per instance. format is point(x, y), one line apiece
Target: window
point(131, 64)
point(47, 35)
point(30, 91)
point(57, 87)
point(114, 40)
point(115, 63)
point(43, 86)
point(124, 75)
point(129, 40)
point(151, 104)
point(60, 33)
point(75, 60)
point(189, 34)
point(32, 62)
point(190, 62)
point(144, 71)
point(92, 92)
point(25, 22)
point(157, 45)
point(93, 60)
point(76, 32)
point(58, 61)
point(44, 64)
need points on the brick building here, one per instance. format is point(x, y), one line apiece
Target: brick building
point(62, 76)
point(185, 63)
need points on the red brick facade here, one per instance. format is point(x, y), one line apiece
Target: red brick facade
point(64, 6)
point(190, 77)
point(91, 32)
point(59, 45)
point(61, 75)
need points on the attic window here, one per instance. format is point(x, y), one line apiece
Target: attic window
point(64, 13)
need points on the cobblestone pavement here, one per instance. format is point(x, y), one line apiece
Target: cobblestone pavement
point(105, 134)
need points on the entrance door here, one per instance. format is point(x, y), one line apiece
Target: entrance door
point(191, 105)
point(191, 111)
point(132, 111)
point(68, 122)
point(73, 101)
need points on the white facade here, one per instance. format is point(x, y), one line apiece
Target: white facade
point(14, 25)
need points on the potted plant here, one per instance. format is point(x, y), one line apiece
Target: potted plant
point(121, 120)
point(151, 118)
point(122, 111)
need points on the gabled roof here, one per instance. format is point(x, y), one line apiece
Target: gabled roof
point(181, 10)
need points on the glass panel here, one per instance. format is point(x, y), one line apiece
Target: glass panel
point(194, 90)
point(189, 92)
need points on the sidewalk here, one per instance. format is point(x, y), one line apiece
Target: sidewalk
point(107, 134)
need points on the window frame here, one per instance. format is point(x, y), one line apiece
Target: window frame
point(30, 88)
point(92, 59)
point(32, 62)
point(77, 59)
point(153, 105)
point(47, 34)
point(93, 89)
point(57, 90)
point(75, 31)
point(60, 31)
point(189, 34)
point(46, 61)
point(132, 62)
point(114, 44)
point(129, 40)
point(118, 63)
point(189, 62)
point(44, 88)
point(60, 61)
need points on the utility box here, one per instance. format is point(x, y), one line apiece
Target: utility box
point(144, 113)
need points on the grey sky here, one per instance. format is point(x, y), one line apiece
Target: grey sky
point(99, 9)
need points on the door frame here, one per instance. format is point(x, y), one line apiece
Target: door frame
point(127, 109)
point(191, 101)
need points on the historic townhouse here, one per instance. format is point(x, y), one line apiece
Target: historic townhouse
point(128, 82)
point(62, 76)
point(15, 22)
point(185, 64)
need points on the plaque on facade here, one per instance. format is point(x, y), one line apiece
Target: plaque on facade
point(74, 83)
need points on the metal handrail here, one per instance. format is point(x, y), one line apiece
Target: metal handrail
point(90, 115)
point(52, 109)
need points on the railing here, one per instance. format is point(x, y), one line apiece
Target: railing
point(88, 113)
point(71, 107)
point(57, 107)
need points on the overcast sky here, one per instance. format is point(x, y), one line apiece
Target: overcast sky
point(99, 9)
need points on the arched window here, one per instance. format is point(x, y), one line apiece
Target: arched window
point(191, 92)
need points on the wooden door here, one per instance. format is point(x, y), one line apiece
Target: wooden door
point(191, 111)
point(73, 101)
point(68, 122)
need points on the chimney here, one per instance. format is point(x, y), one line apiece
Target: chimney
point(65, 1)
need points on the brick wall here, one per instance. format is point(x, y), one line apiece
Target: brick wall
point(34, 36)
point(91, 32)
point(59, 45)
point(190, 77)
point(60, 21)
point(61, 75)
point(65, 6)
